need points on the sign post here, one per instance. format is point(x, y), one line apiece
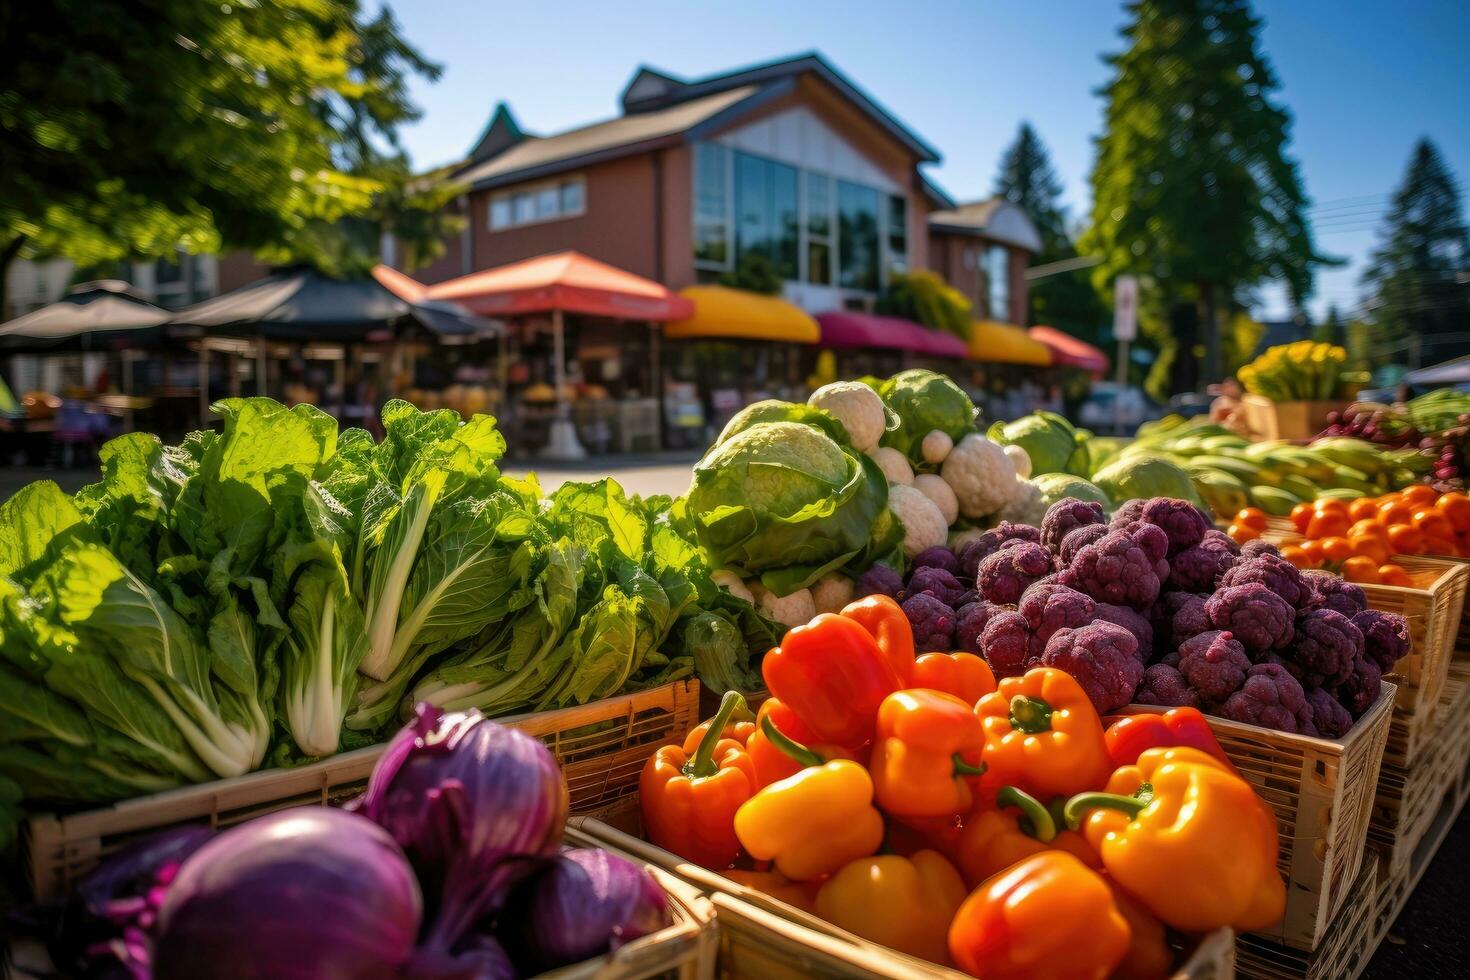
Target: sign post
point(1125, 329)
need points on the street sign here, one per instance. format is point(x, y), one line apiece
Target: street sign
point(1125, 308)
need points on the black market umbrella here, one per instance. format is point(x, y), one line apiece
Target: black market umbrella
point(303, 304)
point(93, 316)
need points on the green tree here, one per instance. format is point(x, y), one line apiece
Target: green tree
point(130, 129)
point(1066, 299)
point(1330, 330)
point(1193, 189)
point(1416, 275)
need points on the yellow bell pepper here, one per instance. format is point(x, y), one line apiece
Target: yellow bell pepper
point(814, 822)
point(1191, 841)
point(902, 902)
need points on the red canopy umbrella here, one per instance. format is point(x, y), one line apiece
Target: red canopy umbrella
point(1068, 351)
point(567, 282)
point(845, 328)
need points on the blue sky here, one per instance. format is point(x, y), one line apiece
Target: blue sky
point(1363, 79)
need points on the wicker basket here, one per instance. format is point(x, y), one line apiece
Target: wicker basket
point(1321, 791)
point(601, 748)
point(763, 938)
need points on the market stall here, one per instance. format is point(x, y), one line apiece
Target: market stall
point(584, 356)
point(1007, 371)
point(735, 347)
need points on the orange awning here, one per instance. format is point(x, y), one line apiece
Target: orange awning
point(400, 284)
point(719, 311)
point(566, 281)
point(1068, 351)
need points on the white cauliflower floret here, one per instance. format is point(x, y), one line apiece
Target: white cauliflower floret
point(1021, 460)
point(796, 609)
point(857, 407)
point(894, 464)
point(981, 475)
point(731, 583)
point(937, 490)
point(832, 591)
point(923, 524)
point(936, 446)
point(1027, 507)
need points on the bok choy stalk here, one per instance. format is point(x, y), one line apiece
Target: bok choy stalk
point(319, 662)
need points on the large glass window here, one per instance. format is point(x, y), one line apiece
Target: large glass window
point(998, 281)
point(766, 209)
point(711, 205)
point(542, 202)
point(897, 234)
point(857, 237)
point(819, 229)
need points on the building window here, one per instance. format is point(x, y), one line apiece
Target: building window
point(819, 227)
point(857, 237)
point(897, 234)
point(711, 206)
point(542, 202)
point(766, 207)
point(997, 266)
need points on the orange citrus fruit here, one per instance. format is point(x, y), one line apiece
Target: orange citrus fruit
point(1300, 515)
point(1241, 533)
point(1252, 517)
point(1298, 556)
point(1362, 508)
point(1391, 574)
point(1405, 539)
point(1456, 507)
point(1360, 569)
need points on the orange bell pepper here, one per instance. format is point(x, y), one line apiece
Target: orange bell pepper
point(833, 675)
point(737, 730)
point(812, 823)
point(902, 902)
point(1043, 735)
point(1130, 736)
point(1048, 916)
point(773, 763)
point(1018, 827)
point(1189, 839)
point(926, 753)
point(689, 803)
point(1149, 956)
point(800, 894)
point(885, 619)
point(964, 675)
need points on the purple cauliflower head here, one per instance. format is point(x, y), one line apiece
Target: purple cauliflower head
point(1165, 686)
point(1328, 591)
point(937, 582)
point(970, 621)
point(1272, 571)
point(1225, 540)
point(1257, 547)
point(938, 557)
point(1271, 698)
point(1065, 516)
point(1128, 512)
point(879, 580)
point(1361, 688)
point(1177, 616)
point(1117, 568)
point(1329, 717)
point(1170, 659)
point(1132, 621)
point(1078, 539)
point(1005, 575)
point(1005, 643)
point(1198, 568)
point(1214, 663)
point(932, 622)
point(1050, 606)
point(1259, 618)
point(1385, 637)
point(1102, 658)
point(987, 544)
point(1182, 522)
point(1325, 648)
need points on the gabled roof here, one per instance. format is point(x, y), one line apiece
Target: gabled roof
point(994, 218)
point(501, 131)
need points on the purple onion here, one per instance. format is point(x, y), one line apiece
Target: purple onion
point(474, 805)
point(482, 958)
point(586, 903)
point(304, 893)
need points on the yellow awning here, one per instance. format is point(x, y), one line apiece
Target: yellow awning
point(720, 311)
point(1002, 343)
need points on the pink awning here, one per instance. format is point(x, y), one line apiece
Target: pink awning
point(845, 328)
point(1068, 351)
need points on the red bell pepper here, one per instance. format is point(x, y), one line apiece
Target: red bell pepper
point(1132, 735)
point(883, 617)
point(833, 675)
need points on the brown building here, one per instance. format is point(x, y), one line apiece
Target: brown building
point(788, 160)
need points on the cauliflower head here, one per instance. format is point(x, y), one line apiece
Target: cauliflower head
point(1385, 637)
point(1362, 687)
point(1163, 685)
point(932, 621)
point(1183, 522)
point(733, 584)
point(923, 525)
point(981, 475)
point(1272, 571)
point(832, 591)
point(938, 557)
point(1021, 460)
point(1117, 568)
point(1132, 621)
point(1330, 591)
point(857, 407)
point(1259, 618)
point(1077, 539)
point(934, 487)
point(938, 583)
point(1005, 643)
point(1051, 606)
point(880, 580)
point(1214, 663)
point(1271, 698)
point(1198, 568)
point(1065, 516)
point(1177, 616)
point(970, 622)
point(789, 610)
point(1102, 658)
point(1004, 576)
point(1326, 647)
point(1329, 717)
point(895, 466)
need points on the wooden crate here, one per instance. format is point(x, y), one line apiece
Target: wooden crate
point(601, 748)
point(763, 938)
point(1321, 791)
point(1344, 950)
point(1433, 616)
point(1270, 420)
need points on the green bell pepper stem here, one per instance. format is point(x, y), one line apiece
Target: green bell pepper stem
point(1030, 715)
point(790, 746)
point(1033, 813)
point(1131, 805)
point(703, 765)
point(963, 768)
